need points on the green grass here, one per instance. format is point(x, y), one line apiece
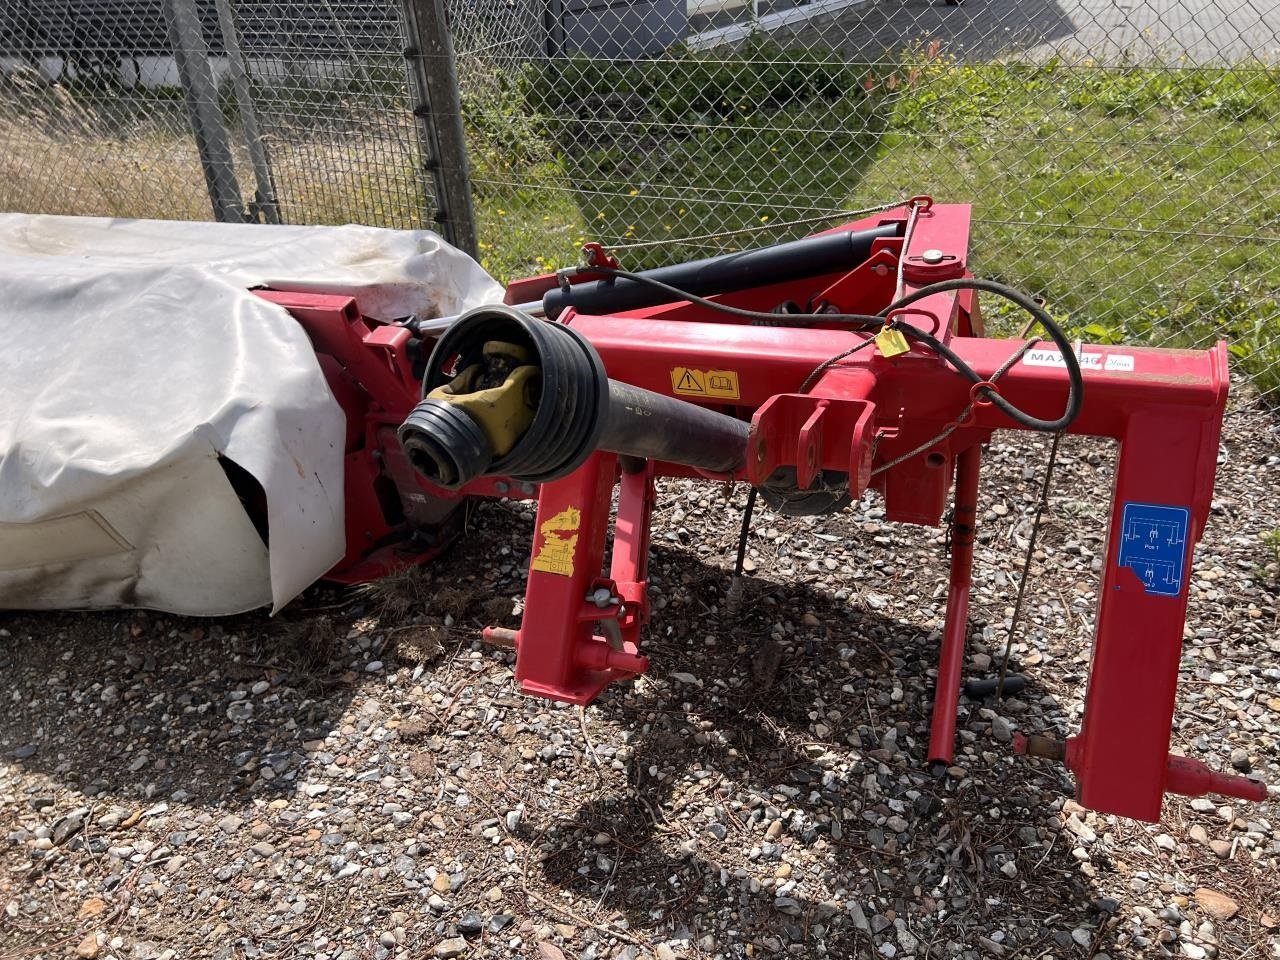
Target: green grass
point(1271, 539)
point(1138, 201)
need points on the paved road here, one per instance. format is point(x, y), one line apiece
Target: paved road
point(1204, 31)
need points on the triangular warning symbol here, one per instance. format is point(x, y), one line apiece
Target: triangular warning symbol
point(690, 384)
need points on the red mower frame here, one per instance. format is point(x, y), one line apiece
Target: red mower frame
point(901, 422)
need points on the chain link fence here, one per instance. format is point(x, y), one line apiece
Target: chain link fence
point(296, 112)
point(1120, 156)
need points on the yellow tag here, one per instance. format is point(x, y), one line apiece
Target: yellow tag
point(717, 384)
point(891, 342)
point(559, 543)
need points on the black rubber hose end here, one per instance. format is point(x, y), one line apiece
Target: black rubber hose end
point(989, 686)
point(444, 444)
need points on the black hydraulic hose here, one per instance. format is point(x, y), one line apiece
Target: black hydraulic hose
point(676, 294)
point(1075, 380)
point(740, 562)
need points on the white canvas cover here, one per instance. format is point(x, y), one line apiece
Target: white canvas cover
point(133, 356)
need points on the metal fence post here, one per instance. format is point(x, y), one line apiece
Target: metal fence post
point(192, 58)
point(265, 202)
point(439, 111)
point(553, 24)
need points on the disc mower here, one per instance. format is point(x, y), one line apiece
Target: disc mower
point(815, 370)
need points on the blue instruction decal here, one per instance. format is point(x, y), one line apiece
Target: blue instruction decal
point(1153, 544)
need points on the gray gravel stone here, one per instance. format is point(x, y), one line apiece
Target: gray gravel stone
point(677, 812)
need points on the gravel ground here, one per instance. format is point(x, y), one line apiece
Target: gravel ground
point(359, 779)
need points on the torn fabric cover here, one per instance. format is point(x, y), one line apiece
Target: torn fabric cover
point(138, 372)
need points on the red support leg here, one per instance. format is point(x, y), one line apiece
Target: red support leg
point(630, 565)
point(570, 646)
point(1164, 479)
point(942, 734)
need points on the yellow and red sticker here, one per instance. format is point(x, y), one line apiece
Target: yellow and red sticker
point(559, 543)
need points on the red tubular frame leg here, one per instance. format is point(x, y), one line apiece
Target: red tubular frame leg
point(942, 733)
point(564, 575)
point(1121, 758)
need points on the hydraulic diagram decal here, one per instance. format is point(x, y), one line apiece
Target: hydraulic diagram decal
point(1153, 544)
point(559, 541)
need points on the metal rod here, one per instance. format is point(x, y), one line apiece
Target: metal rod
point(553, 24)
point(942, 731)
point(776, 263)
point(500, 637)
point(266, 202)
point(192, 58)
point(439, 111)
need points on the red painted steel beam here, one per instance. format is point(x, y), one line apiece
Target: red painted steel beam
point(571, 643)
point(1164, 480)
point(942, 733)
point(1165, 408)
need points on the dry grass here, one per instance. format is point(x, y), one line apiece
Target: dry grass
point(158, 174)
point(62, 155)
point(415, 591)
point(100, 176)
point(133, 156)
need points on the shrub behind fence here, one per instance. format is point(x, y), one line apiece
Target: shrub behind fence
point(1121, 160)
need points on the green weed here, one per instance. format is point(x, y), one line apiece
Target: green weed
point(1139, 201)
point(1271, 538)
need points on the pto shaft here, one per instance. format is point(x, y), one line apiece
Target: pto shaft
point(641, 423)
point(508, 395)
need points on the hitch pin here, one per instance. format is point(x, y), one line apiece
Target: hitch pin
point(1183, 775)
point(603, 597)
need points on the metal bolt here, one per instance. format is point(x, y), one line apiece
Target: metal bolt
point(933, 256)
point(502, 486)
point(601, 597)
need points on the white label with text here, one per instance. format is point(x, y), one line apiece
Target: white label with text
point(1118, 362)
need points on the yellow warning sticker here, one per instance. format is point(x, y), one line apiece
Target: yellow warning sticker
point(715, 384)
point(559, 543)
point(891, 342)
